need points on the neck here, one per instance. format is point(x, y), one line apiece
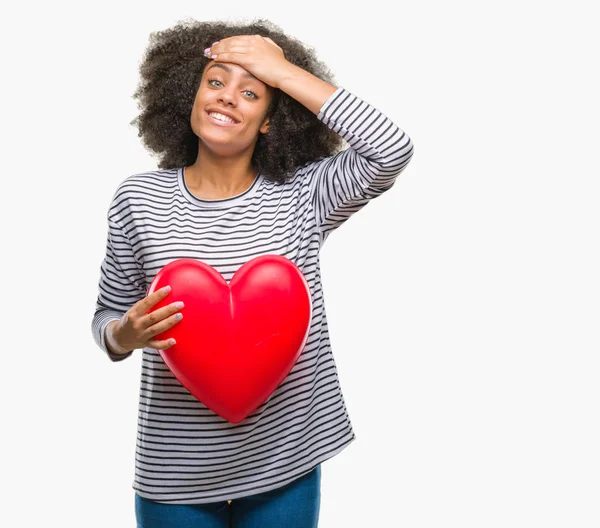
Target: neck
point(215, 176)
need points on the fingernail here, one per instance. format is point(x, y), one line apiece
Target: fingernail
point(215, 42)
point(207, 52)
point(179, 305)
point(179, 317)
point(166, 289)
point(171, 341)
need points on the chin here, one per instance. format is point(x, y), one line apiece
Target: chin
point(224, 148)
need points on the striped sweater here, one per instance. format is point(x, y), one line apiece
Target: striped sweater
point(185, 452)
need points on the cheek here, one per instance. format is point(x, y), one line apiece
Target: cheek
point(199, 105)
point(259, 113)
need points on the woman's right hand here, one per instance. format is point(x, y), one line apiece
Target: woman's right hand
point(137, 328)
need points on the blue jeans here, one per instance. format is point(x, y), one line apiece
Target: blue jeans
point(295, 505)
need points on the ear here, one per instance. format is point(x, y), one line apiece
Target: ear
point(264, 128)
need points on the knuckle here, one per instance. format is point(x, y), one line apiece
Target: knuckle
point(137, 326)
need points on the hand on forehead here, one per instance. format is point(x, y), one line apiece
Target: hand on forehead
point(260, 56)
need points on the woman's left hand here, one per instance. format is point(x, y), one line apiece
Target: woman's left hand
point(259, 55)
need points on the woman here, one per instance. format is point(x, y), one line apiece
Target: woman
point(248, 126)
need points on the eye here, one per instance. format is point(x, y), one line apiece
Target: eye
point(217, 84)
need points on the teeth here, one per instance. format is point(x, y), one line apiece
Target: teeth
point(221, 117)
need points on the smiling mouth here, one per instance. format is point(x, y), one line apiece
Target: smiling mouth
point(222, 119)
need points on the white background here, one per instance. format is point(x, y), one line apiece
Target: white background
point(463, 303)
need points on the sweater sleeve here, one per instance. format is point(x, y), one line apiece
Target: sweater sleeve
point(121, 285)
point(342, 184)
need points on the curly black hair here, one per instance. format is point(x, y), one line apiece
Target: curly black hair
point(170, 74)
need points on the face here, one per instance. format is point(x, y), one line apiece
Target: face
point(230, 109)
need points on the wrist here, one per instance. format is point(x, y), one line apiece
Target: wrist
point(111, 342)
point(286, 72)
point(304, 87)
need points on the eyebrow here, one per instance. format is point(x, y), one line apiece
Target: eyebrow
point(228, 70)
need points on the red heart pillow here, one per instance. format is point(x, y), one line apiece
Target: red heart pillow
point(238, 341)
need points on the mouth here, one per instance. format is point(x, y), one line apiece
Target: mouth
point(221, 119)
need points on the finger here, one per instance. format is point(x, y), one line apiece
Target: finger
point(228, 44)
point(161, 345)
point(229, 48)
point(240, 39)
point(162, 326)
point(236, 58)
point(142, 306)
point(161, 313)
point(235, 38)
point(233, 46)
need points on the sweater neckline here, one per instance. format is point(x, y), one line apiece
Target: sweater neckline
point(219, 202)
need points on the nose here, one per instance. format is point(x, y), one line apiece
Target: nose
point(227, 97)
